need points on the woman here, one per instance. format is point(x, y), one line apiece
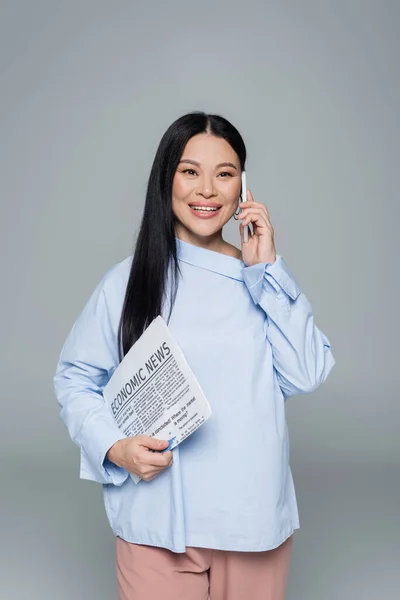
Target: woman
point(215, 517)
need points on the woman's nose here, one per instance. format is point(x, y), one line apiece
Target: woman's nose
point(206, 187)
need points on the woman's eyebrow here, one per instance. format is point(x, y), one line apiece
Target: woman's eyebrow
point(194, 162)
point(191, 162)
point(226, 164)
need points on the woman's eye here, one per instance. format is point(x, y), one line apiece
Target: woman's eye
point(189, 171)
point(225, 174)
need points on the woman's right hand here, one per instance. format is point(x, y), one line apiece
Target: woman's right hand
point(134, 454)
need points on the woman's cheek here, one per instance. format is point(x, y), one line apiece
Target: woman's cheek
point(231, 191)
point(181, 188)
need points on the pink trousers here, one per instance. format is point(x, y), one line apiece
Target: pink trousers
point(151, 573)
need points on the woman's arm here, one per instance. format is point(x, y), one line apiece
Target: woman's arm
point(88, 356)
point(301, 352)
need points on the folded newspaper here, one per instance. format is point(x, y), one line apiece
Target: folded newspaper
point(154, 392)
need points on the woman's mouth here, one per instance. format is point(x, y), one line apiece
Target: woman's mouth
point(205, 211)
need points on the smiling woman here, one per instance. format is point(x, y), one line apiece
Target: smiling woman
point(206, 187)
point(215, 517)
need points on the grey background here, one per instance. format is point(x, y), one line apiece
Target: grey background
point(87, 89)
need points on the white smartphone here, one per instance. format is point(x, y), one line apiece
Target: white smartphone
point(244, 198)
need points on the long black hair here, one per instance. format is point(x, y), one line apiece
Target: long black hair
point(155, 250)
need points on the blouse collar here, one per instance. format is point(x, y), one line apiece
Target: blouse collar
point(229, 266)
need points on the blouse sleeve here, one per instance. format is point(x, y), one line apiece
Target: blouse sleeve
point(87, 359)
point(301, 352)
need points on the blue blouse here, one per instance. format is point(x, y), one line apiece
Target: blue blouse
point(249, 336)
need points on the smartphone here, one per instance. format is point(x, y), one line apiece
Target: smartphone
point(244, 198)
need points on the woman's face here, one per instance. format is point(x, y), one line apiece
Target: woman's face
point(206, 187)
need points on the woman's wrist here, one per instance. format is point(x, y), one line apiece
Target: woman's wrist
point(113, 453)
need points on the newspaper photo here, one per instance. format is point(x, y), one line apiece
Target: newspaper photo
point(154, 392)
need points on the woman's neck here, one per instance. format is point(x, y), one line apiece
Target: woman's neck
point(216, 243)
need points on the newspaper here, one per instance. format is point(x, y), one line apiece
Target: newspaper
point(154, 392)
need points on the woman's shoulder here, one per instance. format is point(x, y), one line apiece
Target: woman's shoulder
point(116, 278)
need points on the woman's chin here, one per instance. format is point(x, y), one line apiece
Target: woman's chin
point(203, 228)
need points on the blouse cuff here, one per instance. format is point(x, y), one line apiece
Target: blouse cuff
point(263, 276)
point(95, 465)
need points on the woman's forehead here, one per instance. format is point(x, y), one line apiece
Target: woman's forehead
point(209, 149)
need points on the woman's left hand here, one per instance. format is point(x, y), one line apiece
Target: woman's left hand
point(261, 247)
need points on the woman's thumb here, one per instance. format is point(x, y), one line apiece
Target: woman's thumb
point(154, 443)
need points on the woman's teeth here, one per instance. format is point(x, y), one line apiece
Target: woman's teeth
point(204, 208)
